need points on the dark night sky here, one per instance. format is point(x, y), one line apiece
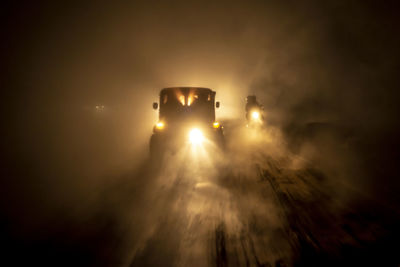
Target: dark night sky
point(334, 62)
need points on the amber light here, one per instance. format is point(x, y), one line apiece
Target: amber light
point(182, 99)
point(255, 115)
point(216, 125)
point(160, 125)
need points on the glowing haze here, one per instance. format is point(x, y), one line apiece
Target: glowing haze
point(80, 81)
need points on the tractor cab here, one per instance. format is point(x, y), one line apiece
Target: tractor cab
point(185, 104)
point(182, 112)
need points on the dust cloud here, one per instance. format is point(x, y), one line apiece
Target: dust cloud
point(78, 82)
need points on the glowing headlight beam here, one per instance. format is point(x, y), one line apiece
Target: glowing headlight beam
point(255, 115)
point(196, 136)
point(160, 125)
point(182, 99)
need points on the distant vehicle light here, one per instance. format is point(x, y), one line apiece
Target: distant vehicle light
point(160, 125)
point(255, 115)
point(196, 136)
point(100, 107)
point(216, 125)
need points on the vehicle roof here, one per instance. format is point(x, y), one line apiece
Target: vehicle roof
point(184, 88)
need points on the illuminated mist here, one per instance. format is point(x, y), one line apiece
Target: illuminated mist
point(78, 84)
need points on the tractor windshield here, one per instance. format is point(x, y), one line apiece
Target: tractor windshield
point(188, 103)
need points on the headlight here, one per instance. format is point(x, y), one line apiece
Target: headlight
point(196, 136)
point(255, 115)
point(160, 125)
point(216, 125)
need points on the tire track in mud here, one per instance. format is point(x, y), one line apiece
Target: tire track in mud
point(310, 224)
point(260, 238)
point(260, 211)
point(187, 208)
point(220, 221)
point(322, 230)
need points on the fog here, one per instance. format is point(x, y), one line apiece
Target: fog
point(325, 73)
